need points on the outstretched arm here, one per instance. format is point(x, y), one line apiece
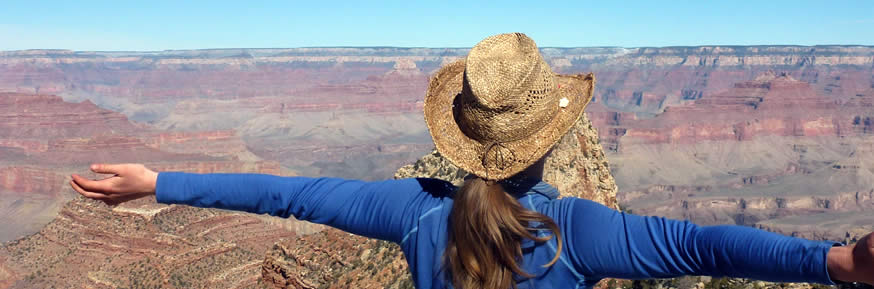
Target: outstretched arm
point(607, 243)
point(374, 209)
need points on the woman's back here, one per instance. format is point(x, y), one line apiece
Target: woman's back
point(425, 244)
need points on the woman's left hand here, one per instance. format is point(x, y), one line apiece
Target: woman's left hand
point(854, 263)
point(129, 182)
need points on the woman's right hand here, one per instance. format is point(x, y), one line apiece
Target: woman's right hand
point(864, 254)
point(863, 258)
point(129, 182)
point(854, 263)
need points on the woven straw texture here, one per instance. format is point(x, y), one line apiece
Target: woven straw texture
point(502, 108)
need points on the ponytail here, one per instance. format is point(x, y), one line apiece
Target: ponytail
point(486, 226)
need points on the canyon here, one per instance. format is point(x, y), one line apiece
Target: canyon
point(762, 153)
point(775, 137)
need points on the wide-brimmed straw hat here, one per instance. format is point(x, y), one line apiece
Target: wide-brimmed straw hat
point(502, 108)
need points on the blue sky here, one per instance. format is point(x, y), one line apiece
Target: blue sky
point(160, 25)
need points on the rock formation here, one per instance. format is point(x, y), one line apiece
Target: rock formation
point(141, 245)
point(335, 259)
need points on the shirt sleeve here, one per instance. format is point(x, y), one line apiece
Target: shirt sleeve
point(382, 210)
point(605, 243)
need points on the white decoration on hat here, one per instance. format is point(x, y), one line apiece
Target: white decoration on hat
point(563, 102)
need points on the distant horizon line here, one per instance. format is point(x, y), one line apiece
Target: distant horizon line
point(424, 47)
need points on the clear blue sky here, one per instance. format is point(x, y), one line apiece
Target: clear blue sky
point(160, 25)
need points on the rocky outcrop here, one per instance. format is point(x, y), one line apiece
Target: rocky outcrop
point(433, 165)
point(90, 245)
point(578, 166)
point(334, 259)
point(144, 244)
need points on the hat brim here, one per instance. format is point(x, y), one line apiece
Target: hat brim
point(467, 153)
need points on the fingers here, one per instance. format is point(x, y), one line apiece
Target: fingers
point(113, 189)
point(101, 186)
point(107, 168)
point(109, 200)
point(87, 194)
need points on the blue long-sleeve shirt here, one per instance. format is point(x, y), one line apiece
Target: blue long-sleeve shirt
point(599, 242)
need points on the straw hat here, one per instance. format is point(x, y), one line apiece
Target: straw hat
point(501, 109)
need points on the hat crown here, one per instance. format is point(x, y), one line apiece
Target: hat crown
point(501, 109)
point(507, 90)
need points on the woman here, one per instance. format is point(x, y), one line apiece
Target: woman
point(497, 114)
